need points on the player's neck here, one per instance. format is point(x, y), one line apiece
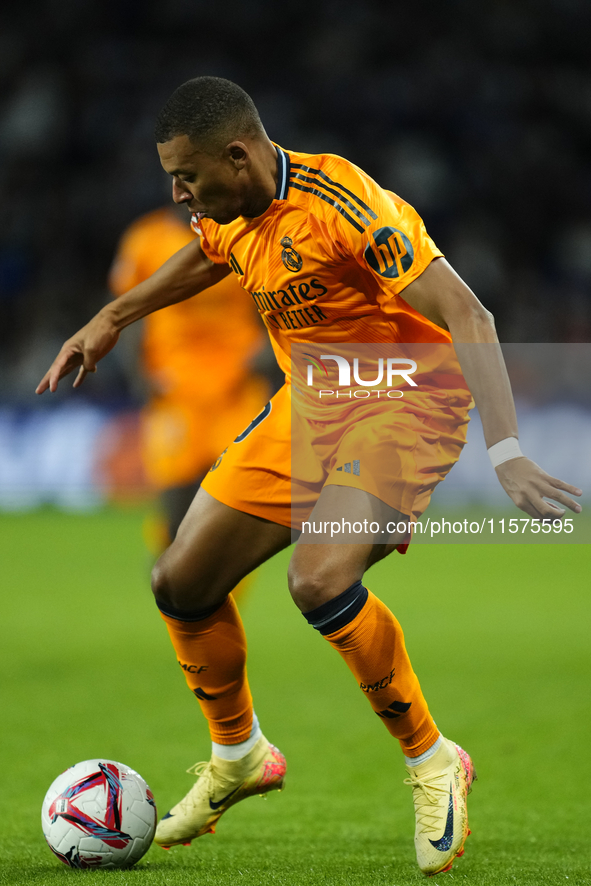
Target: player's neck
point(264, 175)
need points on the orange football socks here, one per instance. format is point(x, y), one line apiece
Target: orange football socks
point(211, 650)
point(364, 631)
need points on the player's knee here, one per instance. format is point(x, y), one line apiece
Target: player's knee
point(184, 585)
point(161, 585)
point(170, 585)
point(310, 587)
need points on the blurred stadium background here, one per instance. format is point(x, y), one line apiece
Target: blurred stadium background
point(479, 115)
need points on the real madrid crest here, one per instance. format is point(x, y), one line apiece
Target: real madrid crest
point(290, 258)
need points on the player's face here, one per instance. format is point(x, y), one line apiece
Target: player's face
point(218, 187)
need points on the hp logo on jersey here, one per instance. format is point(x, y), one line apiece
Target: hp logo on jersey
point(290, 258)
point(391, 254)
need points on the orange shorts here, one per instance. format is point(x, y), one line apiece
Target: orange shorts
point(397, 451)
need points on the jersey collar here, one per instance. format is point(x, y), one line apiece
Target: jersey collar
point(283, 173)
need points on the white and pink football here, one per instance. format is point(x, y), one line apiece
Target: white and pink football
point(99, 814)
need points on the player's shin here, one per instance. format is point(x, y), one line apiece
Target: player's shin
point(366, 634)
point(211, 649)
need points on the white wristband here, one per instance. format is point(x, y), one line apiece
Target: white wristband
point(504, 450)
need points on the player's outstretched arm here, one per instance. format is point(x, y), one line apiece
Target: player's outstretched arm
point(441, 296)
point(185, 274)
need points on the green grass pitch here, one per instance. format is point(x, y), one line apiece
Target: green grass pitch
point(498, 635)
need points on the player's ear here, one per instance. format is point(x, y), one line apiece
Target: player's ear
point(238, 154)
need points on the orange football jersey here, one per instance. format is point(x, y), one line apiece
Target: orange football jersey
point(329, 259)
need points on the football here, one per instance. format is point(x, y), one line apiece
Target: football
point(99, 814)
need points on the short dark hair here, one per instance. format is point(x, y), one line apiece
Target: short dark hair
point(210, 111)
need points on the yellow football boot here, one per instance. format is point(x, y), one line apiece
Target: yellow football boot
point(440, 787)
point(221, 784)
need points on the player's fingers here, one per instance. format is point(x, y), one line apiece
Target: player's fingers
point(63, 365)
point(54, 376)
point(43, 384)
point(549, 511)
point(560, 484)
point(556, 494)
point(536, 512)
point(55, 372)
point(82, 373)
point(567, 502)
point(532, 500)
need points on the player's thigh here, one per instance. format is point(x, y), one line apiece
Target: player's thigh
point(174, 503)
point(215, 547)
point(348, 531)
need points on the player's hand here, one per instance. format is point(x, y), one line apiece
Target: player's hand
point(528, 485)
point(83, 350)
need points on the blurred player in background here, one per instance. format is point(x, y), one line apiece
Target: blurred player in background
point(202, 384)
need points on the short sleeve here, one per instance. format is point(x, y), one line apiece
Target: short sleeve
point(206, 233)
point(386, 237)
